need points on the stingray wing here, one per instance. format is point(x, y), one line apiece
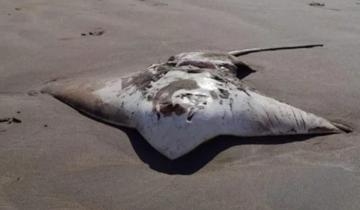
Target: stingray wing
point(112, 100)
point(193, 115)
point(178, 110)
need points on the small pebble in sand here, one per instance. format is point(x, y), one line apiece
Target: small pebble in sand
point(45, 125)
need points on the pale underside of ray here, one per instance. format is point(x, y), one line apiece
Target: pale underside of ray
point(180, 110)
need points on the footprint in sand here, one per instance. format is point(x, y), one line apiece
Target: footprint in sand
point(316, 4)
point(321, 5)
point(5, 122)
point(32, 93)
point(155, 3)
point(159, 4)
point(95, 32)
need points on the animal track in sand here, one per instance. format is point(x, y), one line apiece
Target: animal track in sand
point(155, 3)
point(321, 5)
point(32, 93)
point(317, 4)
point(95, 32)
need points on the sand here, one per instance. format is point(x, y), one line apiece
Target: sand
point(56, 158)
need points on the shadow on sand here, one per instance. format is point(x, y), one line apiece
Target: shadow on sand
point(198, 158)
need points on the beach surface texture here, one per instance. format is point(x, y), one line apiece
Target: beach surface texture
point(53, 157)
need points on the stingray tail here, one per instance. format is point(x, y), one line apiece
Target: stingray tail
point(238, 53)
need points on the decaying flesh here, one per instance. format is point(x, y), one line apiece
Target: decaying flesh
point(191, 98)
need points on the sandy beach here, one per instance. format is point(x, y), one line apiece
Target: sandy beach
point(53, 157)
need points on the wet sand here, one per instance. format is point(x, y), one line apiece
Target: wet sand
point(56, 158)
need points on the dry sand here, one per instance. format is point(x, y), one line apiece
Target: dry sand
point(57, 158)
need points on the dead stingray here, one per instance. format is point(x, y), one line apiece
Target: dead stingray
point(191, 98)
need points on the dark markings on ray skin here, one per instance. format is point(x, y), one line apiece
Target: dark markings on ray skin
point(103, 109)
point(244, 90)
point(164, 95)
point(149, 97)
point(200, 64)
point(195, 71)
point(216, 55)
point(213, 95)
point(190, 115)
point(292, 130)
point(218, 78)
point(143, 80)
point(226, 64)
point(94, 108)
point(320, 129)
point(296, 119)
point(269, 120)
point(158, 115)
point(278, 120)
point(224, 93)
point(168, 109)
point(183, 95)
point(260, 124)
point(231, 103)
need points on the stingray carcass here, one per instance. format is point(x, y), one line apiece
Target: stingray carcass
point(187, 100)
